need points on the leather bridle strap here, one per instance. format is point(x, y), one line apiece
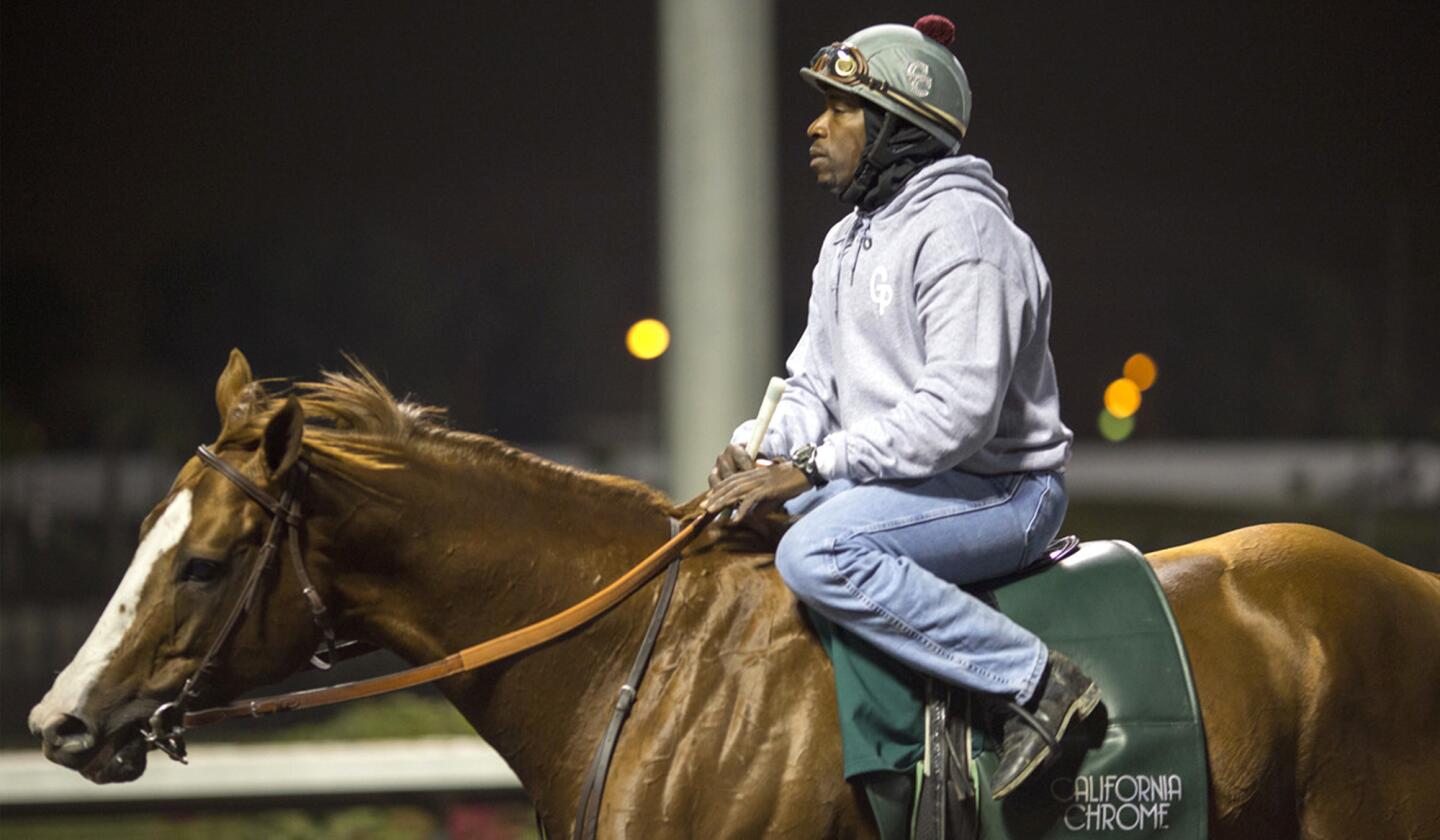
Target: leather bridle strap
point(476, 656)
point(279, 509)
point(164, 732)
point(287, 510)
point(252, 582)
point(588, 819)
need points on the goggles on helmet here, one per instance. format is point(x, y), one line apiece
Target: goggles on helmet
point(843, 64)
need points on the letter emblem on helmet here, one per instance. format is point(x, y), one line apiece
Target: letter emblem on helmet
point(918, 77)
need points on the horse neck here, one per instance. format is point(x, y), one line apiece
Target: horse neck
point(472, 552)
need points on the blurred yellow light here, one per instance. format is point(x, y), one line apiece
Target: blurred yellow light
point(1140, 369)
point(647, 339)
point(1122, 398)
point(1115, 429)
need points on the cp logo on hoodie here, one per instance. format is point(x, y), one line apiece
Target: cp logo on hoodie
point(880, 290)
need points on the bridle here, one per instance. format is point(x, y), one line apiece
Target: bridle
point(166, 731)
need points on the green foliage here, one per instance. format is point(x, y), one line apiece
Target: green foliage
point(396, 716)
point(499, 821)
point(390, 823)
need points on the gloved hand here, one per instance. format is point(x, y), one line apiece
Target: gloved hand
point(757, 490)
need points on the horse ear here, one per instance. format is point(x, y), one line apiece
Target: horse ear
point(281, 441)
point(231, 385)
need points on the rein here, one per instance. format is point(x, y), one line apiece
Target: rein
point(168, 724)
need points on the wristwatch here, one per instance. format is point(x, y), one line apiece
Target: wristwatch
point(804, 460)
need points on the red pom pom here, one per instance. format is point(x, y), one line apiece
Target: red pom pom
point(937, 28)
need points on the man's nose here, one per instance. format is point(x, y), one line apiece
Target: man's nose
point(817, 128)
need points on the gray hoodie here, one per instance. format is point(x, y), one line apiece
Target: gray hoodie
point(927, 346)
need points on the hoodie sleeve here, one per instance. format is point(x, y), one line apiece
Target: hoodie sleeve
point(971, 317)
point(806, 411)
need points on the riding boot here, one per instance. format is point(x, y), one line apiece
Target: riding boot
point(1033, 732)
point(892, 799)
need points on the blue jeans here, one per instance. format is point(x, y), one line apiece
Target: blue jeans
point(885, 560)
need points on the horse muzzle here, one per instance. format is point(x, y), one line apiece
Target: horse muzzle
point(73, 742)
point(66, 739)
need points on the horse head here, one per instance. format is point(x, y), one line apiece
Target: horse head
point(197, 549)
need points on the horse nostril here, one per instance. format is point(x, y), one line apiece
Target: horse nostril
point(69, 734)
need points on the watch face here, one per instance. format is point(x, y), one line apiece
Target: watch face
point(804, 461)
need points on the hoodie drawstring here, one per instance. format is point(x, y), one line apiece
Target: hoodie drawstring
point(859, 232)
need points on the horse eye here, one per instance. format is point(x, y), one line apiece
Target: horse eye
point(200, 570)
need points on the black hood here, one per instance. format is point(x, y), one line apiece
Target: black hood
point(895, 149)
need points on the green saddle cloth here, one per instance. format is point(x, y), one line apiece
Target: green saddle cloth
point(1135, 768)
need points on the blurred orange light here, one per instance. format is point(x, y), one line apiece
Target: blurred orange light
point(1122, 398)
point(1140, 369)
point(647, 339)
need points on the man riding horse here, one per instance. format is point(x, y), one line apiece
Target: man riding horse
point(920, 431)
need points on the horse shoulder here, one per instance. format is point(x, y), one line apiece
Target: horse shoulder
point(736, 721)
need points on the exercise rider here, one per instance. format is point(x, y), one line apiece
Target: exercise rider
point(919, 436)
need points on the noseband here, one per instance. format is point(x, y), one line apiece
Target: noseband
point(166, 730)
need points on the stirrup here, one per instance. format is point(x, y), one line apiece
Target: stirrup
point(945, 807)
point(1035, 724)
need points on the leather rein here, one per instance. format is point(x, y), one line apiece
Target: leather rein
point(166, 730)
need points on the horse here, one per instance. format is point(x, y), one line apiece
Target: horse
point(1313, 656)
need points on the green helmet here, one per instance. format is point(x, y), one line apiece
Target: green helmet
point(906, 70)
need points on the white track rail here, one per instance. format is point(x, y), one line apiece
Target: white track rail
point(229, 771)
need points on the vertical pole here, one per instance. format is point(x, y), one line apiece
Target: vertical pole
point(717, 225)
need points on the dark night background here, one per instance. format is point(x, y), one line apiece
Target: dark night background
point(465, 196)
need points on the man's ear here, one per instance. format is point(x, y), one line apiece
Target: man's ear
point(230, 387)
point(281, 441)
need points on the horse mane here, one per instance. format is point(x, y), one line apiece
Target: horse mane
point(354, 426)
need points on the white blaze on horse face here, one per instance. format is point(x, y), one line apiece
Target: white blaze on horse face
point(73, 686)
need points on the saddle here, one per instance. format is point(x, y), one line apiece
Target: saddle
point(1134, 768)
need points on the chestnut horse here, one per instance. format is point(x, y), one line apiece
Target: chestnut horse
point(1315, 657)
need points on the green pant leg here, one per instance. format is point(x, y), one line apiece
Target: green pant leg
point(892, 800)
point(881, 703)
point(882, 724)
